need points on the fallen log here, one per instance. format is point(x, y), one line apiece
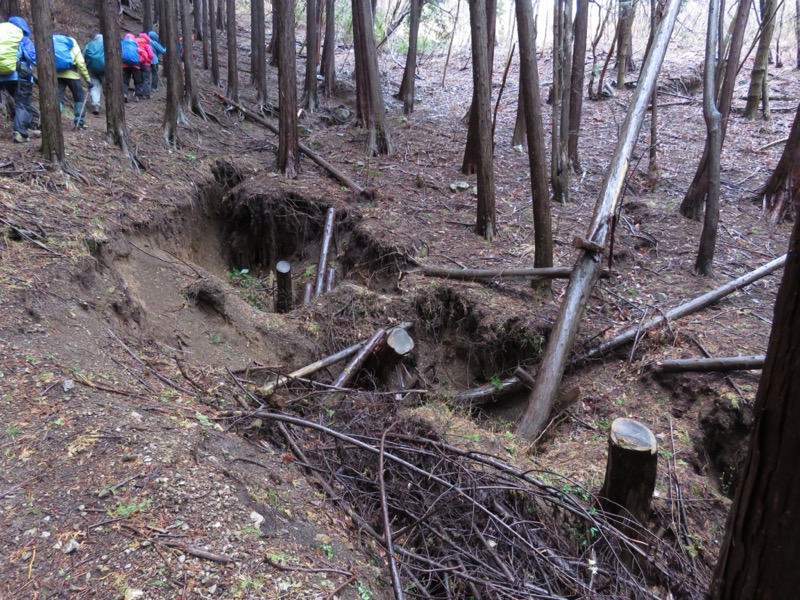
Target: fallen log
point(630, 472)
point(725, 364)
point(589, 264)
point(322, 264)
point(269, 388)
point(681, 311)
point(316, 158)
point(374, 344)
point(481, 274)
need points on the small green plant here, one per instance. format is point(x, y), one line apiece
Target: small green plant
point(13, 432)
point(202, 419)
point(496, 383)
point(364, 593)
point(328, 550)
point(126, 509)
point(250, 287)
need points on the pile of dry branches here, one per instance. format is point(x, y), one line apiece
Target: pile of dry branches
point(460, 524)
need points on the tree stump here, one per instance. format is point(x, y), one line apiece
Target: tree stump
point(630, 470)
point(283, 296)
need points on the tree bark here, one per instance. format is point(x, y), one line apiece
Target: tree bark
point(310, 94)
point(288, 138)
point(627, 11)
point(704, 265)
point(147, 16)
point(116, 128)
point(782, 190)
point(328, 66)
point(758, 76)
point(221, 16)
point(562, 69)
point(407, 86)
point(472, 147)
point(190, 95)
point(259, 52)
point(653, 170)
point(172, 68)
point(587, 269)
point(9, 8)
point(206, 26)
point(537, 156)
point(581, 27)
point(694, 200)
point(52, 135)
point(233, 52)
point(762, 541)
point(372, 110)
point(797, 30)
point(486, 222)
point(197, 13)
point(212, 31)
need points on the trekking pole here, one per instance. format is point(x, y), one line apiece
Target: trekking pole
point(76, 125)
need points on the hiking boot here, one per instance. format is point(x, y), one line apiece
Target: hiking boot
point(81, 126)
point(35, 133)
point(95, 110)
point(19, 138)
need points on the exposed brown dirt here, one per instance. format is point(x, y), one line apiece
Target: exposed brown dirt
point(117, 325)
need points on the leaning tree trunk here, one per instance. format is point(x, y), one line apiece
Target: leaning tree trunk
point(116, 129)
point(233, 53)
point(758, 76)
point(212, 34)
point(190, 94)
point(310, 94)
point(708, 239)
point(52, 135)
point(694, 200)
point(172, 69)
point(537, 156)
point(368, 84)
point(782, 189)
point(407, 86)
point(762, 540)
point(486, 224)
point(288, 139)
point(328, 66)
point(580, 31)
point(472, 147)
point(588, 268)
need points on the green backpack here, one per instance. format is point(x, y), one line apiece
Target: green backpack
point(10, 37)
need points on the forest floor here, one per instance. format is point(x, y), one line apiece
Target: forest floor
point(132, 304)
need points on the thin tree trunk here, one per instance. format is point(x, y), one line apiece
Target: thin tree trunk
point(116, 129)
point(220, 15)
point(198, 19)
point(9, 8)
point(708, 239)
point(562, 69)
point(191, 97)
point(537, 155)
point(627, 11)
point(310, 95)
point(587, 269)
point(288, 139)
point(762, 540)
point(576, 85)
point(486, 224)
point(207, 26)
point(410, 73)
point(601, 28)
point(212, 31)
point(694, 200)
point(147, 16)
point(797, 30)
point(172, 68)
point(758, 77)
point(52, 135)
point(259, 50)
point(329, 51)
point(519, 137)
point(233, 52)
point(653, 170)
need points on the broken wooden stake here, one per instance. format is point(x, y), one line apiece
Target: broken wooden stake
point(374, 344)
point(308, 291)
point(588, 267)
point(337, 174)
point(330, 280)
point(729, 363)
point(681, 311)
point(283, 295)
point(322, 265)
point(630, 471)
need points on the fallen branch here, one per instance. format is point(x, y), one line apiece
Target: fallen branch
point(481, 274)
point(322, 264)
point(377, 340)
point(316, 158)
point(681, 311)
point(198, 552)
point(729, 363)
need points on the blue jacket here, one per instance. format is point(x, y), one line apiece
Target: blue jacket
point(158, 49)
point(26, 51)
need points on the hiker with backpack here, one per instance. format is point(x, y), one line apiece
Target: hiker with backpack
point(158, 50)
point(95, 57)
point(17, 59)
point(145, 62)
point(70, 67)
point(131, 66)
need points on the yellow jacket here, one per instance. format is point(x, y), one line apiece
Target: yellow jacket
point(79, 70)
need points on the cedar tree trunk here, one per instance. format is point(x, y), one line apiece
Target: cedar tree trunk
point(190, 95)
point(233, 53)
point(758, 76)
point(212, 27)
point(780, 192)
point(288, 140)
point(147, 17)
point(328, 67)
point(52, 135)
point(172, 69)
point(259, 51)
point(406, 93)
point(580, 30)
point(310, 95)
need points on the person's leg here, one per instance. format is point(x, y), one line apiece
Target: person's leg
point(62, 88)
point(97, 88)
point(137, 83)
point(23, 100)
point(78, 97)
point(126, 80)
point(154, 78)
point(146, 81)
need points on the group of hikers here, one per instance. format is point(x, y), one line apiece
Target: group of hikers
point(140, 57)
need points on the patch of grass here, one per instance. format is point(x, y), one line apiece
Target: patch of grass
point(126, 509)
point(250, 287)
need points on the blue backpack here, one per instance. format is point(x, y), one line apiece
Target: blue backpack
point(95, 57)
point(62, 47)
point(130, 52)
